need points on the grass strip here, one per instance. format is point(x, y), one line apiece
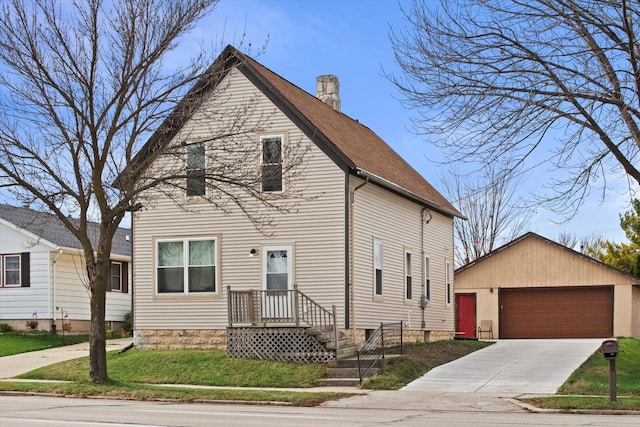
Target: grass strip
point(591, 403)
point(129, 391)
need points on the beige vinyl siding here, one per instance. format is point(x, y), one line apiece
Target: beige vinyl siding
point(314, 227)
point(635, 315)
point(396, 222)
point(561, 268)
point(535, 262)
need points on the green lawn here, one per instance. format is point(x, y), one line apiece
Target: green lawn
point(588, 386)
point(14, 343)
point(134, 372)
point(202, 367)
point(592, 378)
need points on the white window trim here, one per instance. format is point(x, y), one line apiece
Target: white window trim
point(3, 271)
point(282, 146)
point(448, 296)
point(185, 264)
point(378, 243)
point(186, 168)
point(408, 273)
point(427, 278)
point(119, 264)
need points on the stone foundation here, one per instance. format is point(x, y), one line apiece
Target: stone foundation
point(432, 336)
point(152, 339)
point(180, 339)
point(71, 326)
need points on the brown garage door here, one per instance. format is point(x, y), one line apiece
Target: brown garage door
point(568, 312)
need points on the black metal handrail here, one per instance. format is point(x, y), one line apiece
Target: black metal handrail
point(387, 339)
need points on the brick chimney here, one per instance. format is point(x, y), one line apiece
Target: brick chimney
point(327, 90)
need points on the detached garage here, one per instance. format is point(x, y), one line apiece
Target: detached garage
point(533, 287)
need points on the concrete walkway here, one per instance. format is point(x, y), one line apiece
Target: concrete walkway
point(510, 368)
point(17, 364)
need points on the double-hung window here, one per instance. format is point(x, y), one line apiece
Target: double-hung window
point(408, 277)
point(427, 279)
point(449, 285)
point(271, 163)
point(14, 270)
point(186, 266)
point(196, 164)
point(119, 277)
point(377, 267)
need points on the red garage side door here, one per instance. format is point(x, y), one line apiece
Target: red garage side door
point(565, 312)
point(465, 315)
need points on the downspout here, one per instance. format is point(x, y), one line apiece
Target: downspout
point(424, 288)
point(423, 298)
point(352, 200)
point(53, 289)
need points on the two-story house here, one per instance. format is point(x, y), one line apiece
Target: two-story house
point(373, 238)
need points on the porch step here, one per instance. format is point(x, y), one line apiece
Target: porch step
point(352, 362)
point(347, 372)
point(345, 347)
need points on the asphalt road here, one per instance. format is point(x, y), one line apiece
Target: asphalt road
point(37, 411)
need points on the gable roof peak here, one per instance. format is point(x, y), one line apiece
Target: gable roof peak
point(346, 141)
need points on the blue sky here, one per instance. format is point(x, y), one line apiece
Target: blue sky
point(308, 38)
point(350, 39)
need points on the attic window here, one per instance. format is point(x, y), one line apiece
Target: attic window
point(271, 163)
point(195, 170)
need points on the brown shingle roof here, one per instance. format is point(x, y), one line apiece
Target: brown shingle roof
point(362, 148)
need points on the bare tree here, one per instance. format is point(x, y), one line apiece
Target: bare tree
point(490, 205)
point(507, 77)
point(568, 239)
point(82, 87)
point(583, 244)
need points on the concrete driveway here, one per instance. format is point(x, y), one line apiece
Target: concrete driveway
point(510, 368)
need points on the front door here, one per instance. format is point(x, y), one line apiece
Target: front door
point(466, 315)
point(277, 282)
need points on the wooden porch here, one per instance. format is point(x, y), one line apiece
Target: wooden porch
point(283, 325)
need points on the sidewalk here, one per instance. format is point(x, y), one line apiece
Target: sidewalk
point(17, 364)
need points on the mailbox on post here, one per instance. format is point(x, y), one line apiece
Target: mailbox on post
point(610, 349)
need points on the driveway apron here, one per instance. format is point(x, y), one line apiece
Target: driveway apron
point(510, 368)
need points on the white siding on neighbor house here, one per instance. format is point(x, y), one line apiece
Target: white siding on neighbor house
point(396, 222)
point(314, 228)
point(72, 294)
point(21, 303)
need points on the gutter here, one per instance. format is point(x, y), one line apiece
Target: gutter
point(406, 193)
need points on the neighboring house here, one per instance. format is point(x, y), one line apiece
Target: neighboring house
point(43, 277)
point(533, 287)
point(373, 238)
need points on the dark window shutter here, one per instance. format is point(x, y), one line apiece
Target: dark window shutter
point(125, 277)
point(109, 279)
point(25, 269)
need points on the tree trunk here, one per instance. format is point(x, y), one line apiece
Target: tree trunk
point(98, 279)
